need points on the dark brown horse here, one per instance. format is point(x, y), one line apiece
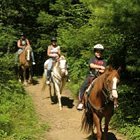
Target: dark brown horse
point(25, 64)
point(100, 102)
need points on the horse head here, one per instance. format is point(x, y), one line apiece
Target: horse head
point(63, 65)
point(28, 51)
point(112, 78)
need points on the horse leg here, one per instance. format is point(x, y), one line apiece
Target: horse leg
point(62, 84)
point(97, 122)
point(59, 101)
point(24, 77)
point(30, 75)
point(107, 120)
point(20, 74)
point(57, 89)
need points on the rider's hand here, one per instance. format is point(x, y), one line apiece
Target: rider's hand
point(102, 68)
point(101, 71)
point(54, 55)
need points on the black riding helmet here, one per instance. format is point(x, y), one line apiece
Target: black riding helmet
point(23, 35)
point(53, 39)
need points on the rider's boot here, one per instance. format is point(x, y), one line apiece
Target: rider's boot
point(48, 77)
point(80, 106)
point(33, 59)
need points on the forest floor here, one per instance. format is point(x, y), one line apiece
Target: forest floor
point(64, 124)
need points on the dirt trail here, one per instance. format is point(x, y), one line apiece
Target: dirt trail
point(65, 124)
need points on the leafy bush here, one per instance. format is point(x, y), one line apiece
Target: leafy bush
point(127, 117)
point(17, 115)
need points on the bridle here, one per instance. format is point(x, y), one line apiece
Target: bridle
point(107, 92)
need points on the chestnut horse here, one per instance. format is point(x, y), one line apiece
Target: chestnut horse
point(100, 102)
point(58, 78)
point(25, 64)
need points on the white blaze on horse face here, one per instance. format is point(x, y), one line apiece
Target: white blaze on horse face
point(114, 87)
point(28, 55)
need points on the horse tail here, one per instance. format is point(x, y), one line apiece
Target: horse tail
point(87, 120)
point(44, 81)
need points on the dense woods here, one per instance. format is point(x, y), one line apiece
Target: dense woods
point(78, 26)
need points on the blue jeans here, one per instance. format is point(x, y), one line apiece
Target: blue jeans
point(85, 85)
point(49, 68)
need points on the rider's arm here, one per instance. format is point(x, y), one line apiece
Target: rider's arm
point(28, 43)
point(19, 44)
point(93, 65)
point(59, 51)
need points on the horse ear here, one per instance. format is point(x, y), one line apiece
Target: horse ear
point(109, 68)
point(119, 70)
point(62, 57)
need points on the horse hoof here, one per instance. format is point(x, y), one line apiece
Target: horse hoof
point(25, 84)
point(60, 108)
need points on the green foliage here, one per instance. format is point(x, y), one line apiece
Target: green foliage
point(128, 112)
point(17, 115)
point(17, 120)
point(78, 27)
point(7, 39)
point(45, 19)
point(6, 69)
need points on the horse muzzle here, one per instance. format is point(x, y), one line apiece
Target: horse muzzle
point(114, 94)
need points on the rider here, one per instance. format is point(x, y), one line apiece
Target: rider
point(53, 53)
point(97, 66)
point(21, 44)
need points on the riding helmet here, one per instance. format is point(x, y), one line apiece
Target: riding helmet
point(22, 34)
point(53, 39)
point(99, 47)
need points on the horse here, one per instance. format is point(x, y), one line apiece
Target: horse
point(100, 102)
point(58, 78)
point(25, 65)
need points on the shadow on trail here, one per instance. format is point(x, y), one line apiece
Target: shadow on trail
point(66, 101)
point(35, 82)
point(110, 136)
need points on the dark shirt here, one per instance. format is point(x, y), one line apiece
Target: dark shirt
point(95, 60)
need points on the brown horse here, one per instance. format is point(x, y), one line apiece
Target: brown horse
point(25, 64)
point(100, 102)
